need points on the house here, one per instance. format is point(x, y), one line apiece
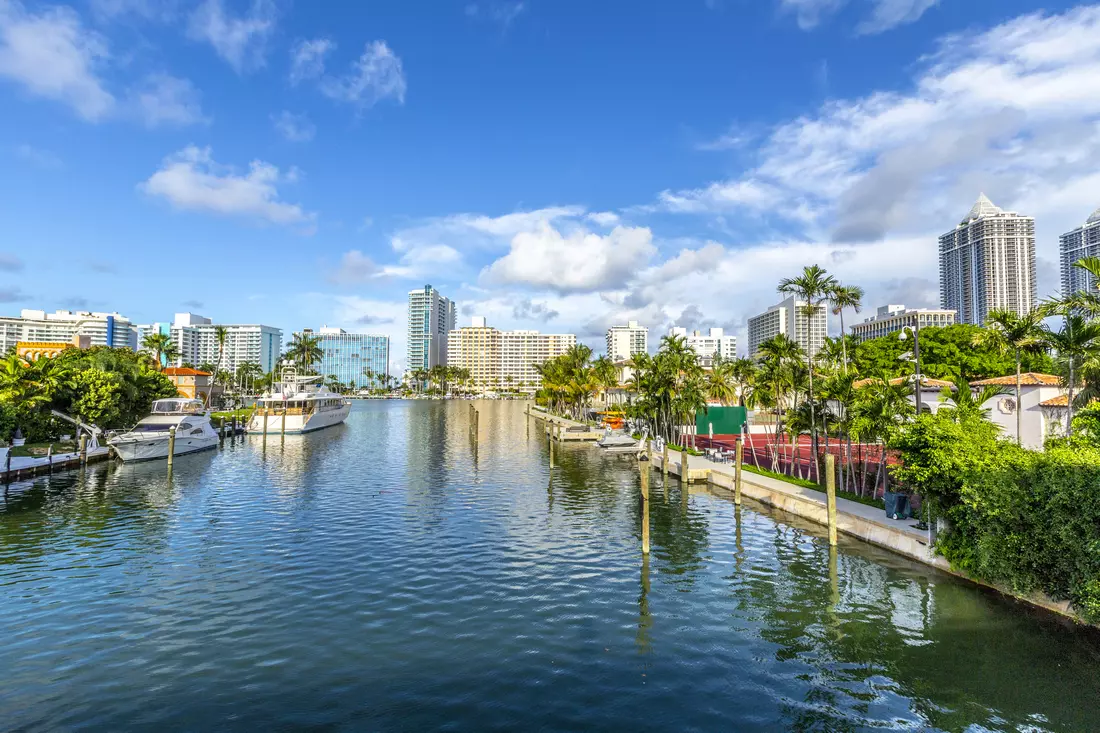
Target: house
point(30, 351)
point(191, 382)
point(1042, 407)
point(930, 390)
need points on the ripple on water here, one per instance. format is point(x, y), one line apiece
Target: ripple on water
point(391, 574)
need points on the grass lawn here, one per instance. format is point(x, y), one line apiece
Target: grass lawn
point(877, 503)
point(39, 450)
point(242, 414)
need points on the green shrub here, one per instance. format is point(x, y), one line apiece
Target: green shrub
point(1024, 519)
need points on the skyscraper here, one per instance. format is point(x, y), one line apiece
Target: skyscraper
point(625, 341)
point(196, 338)
point(987, 263)
point(1084, 241)
point(504, 360)
point(790, 318)
point(717, 343)
point(431, 318)
point(350, 357)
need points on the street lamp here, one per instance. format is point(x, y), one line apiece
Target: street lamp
point(903, 335)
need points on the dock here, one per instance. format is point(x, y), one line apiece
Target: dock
point(565, 430)
point(27, 466)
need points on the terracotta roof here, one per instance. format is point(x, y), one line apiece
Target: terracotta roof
point(925, 382)
point(184, 372)
point(1027, 379)
point(1061, 400)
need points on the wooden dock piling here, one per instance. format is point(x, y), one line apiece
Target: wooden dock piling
point(171, 446)
point(740, 451)
point(83, 448)
point(830, 493)
point(644, 471)
point(664, 461)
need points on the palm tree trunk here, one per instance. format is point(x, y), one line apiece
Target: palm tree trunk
point(843, 343)
point(813, 415)
point(1019, 415)
point(1069, 401)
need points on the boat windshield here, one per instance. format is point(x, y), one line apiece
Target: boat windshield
point(167, 407)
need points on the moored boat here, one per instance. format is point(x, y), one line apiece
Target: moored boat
point(300, 404)
point(150, 438)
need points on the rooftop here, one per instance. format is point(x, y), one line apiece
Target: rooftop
point(1059, 401)
point(185, 372)
point(1027, 379)
point(925, 381)
point(1094, 218)
point(982, 208)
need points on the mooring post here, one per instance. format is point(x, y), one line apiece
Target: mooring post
point(221, 429)
point(477, 424)
point(644, 472)
point(83, 448)
point(684, 476)
point(830, 493)
point(737, 474)
point(664, 460)
point(171, 445)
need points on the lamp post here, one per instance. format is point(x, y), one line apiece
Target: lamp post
point(903, 335)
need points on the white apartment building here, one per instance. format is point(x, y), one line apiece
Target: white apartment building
point(625, 341)
point(716, 343)
point(197, 340)
point(890, 319)
point(504, 360)
point(1084, 241)
point(431, 319)
point(103, 329)
point(790, 318)
point(987, 262)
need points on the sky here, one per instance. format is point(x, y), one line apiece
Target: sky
point(560, 165)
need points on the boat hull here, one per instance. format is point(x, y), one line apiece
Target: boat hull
point(297, 424)
point(133, 451)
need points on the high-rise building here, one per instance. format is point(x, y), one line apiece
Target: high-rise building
point(625, 341)
point(716, 343)
point(431, 319)
point(350, 356)
point(1084, 241)
point(987, 263)
point(791, 319)
point(196, 338)
point(890, 319)
point(504, 360)
point(103, 329)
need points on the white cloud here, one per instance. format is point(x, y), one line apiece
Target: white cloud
point(885, 14)
point(162, 100)
point(577, 262)
point(889, 14)
point(36, 157)
point(354, 268)
point(52, 55)
point(375, 76)
point(603, 218)
point(294, 128)
point(501, 13)
point(307, 59)
point(242, 41)
point(160, 11)
point(192, 180)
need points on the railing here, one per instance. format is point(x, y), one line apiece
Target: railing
point(275, 412)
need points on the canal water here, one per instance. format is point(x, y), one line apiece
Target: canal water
point(389, 574)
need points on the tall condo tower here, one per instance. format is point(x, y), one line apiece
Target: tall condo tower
point(987, 263)
point(1084, 241)
point(431, 318)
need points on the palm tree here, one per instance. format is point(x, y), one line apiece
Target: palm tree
point(778, 357)
point(965, 402)
point(841, 297)
point(877, 414)
point(1008, 331)
point(813, 287)
point(721, 383)
point(742, 372)
point(157, 343)
point(606, 374)
point(305, 351)
point(1088, 302)
point(1077, 341)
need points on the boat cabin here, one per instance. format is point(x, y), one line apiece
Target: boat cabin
point(178, 407)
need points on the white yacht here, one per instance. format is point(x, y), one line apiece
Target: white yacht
point(148, 440)
point(301, 404)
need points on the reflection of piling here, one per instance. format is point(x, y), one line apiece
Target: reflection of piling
point(477, 420)
point(221, 429)
point(737, 474)
point(551, 450)
point(643, 469)
point(282, 426)
point(830, 493)
point(171, 445)
point(265, 429)
point(834, 578)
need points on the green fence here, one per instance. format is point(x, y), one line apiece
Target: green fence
point(723, 420)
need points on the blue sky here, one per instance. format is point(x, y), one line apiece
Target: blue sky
point(559, 165)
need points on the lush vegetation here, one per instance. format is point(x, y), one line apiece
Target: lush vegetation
point(572, 380)
point(106, 387)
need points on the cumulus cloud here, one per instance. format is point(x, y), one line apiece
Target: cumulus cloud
point(527, 310)
point(355, 267)
point(575, 262)
point(294, 128)
point(307, 59)
point(52, 55)
point(191, 179)
point(885, 14)
point(240, 41)
point(376, 75)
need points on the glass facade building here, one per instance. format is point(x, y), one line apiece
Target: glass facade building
point(358, 359)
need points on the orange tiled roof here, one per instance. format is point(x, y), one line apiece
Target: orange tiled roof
point(1061, 400)
point(925, 381)
point(185, 372)
point(1027, 379)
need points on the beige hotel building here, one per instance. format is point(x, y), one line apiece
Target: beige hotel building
point(503, 360)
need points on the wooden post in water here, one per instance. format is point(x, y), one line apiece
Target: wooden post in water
point(221, 429)
point(83, 448)
point(830, 493)
point(643, 469)
point(171, 446)
point(684, 476)
point(664, 460)
point(737, 474)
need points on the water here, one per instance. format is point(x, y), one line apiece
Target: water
point(386, 575)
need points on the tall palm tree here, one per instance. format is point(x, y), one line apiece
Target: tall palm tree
point(962, 401)
point(1008, 331)
point(1077, 341)
point(813, 287)
point(742, 372)
point(1088, 302)
point(841, 297)
point(305, 351)
point(157, 343)
point(721, 382)
point(606, 374)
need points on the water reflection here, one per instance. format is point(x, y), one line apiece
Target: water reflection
point(395, 572)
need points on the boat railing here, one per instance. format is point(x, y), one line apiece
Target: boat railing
point(276, 411)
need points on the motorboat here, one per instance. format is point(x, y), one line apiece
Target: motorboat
point(149, 439)
point(618, 441)
point(298, 404)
